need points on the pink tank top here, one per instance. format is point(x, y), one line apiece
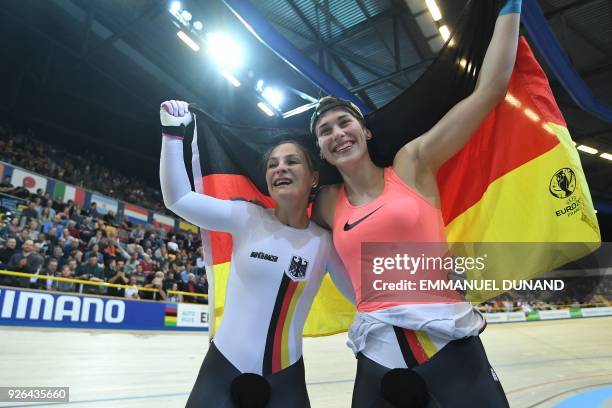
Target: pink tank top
point(399, 214)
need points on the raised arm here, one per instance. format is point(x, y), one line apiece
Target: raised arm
point(339, 275)
point(204, 211)
point(453, 131)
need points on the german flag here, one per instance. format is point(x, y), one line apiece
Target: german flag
point(518, 180)
point(170, 313)
point(518, 186)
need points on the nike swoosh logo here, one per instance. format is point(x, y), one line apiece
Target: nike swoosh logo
point(348, 226)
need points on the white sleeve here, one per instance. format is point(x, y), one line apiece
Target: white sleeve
point(339, 275)
point(204, 211)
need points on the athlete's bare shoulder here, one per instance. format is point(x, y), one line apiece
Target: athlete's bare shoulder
point(415, 172)
point(406, 163)
point(324, 205)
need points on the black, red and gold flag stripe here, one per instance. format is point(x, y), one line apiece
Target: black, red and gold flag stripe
point(277, 354)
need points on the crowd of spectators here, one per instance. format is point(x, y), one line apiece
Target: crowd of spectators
point(587, 291)
point(84, 170)
point(52, 238)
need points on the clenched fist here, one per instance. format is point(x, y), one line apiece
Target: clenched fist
point(175, 117)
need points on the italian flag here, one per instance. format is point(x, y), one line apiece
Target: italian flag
point(67, 192)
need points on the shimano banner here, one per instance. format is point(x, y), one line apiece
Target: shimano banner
point(47, 309)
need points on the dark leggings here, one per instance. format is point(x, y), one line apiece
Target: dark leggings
point(458, 376)
point(212, 387)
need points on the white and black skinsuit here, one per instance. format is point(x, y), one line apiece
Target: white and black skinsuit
point(275, 273)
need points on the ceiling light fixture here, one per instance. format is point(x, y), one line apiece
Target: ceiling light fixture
point(265, 108)
point(587, 149)
point(434, 10)
point(187, 40)
point(232, 79)
point(444, 32)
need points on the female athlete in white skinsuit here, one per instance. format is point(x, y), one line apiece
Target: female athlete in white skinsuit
point(278, 261)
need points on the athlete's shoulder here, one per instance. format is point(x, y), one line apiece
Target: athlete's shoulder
point(248, 210)
point(325, 204)
point(319, 231)
point(329, 190)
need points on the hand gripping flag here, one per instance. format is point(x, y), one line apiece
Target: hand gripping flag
point(518, 180)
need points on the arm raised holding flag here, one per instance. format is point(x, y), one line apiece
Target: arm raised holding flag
point(418, 161)
point(404, 356)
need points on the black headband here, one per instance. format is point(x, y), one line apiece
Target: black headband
point(335, 103)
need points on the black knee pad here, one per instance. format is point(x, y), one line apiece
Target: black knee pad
point(250, 391)
point(403, 387)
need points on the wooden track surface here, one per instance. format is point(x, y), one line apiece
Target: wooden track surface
point(539, 363)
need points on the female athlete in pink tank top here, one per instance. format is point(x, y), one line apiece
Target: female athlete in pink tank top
point(410, 353)
point(398, 214)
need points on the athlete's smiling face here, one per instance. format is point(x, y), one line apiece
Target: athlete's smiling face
point(341, 137)
point(289, 173)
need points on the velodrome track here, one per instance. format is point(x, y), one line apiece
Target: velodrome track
point(562, 363)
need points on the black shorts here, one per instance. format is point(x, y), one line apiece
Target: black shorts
point(457, 376)
point(212, 387)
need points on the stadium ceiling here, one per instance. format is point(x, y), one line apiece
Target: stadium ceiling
point(95, 71)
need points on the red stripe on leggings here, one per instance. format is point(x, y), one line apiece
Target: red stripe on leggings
point(417, 350)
